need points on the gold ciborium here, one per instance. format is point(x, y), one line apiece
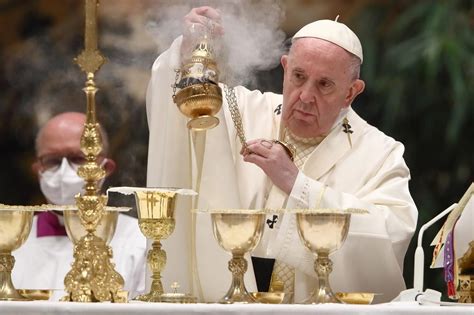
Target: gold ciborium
point(238, 232)
point(199, 96)
point(15, 226)
point(323, 231)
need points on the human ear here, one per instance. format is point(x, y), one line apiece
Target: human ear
point(109, 166)
point(36, 167)
point(284, 61)
point(356, 88)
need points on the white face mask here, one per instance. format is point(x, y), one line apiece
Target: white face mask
point(61, 185)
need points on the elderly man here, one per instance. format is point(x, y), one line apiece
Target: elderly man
point(58, 157)
point(340, 162)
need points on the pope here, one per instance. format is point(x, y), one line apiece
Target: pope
point(340, 162)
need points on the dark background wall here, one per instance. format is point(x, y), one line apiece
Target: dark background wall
point(418, 67)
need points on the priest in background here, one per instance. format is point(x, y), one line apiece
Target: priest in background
point(46, 257)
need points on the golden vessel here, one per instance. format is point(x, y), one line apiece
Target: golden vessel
point(238, 232)
point(105, 228)
point(323, 232)
point(156, 221)
point(15, 226)
point(199, 96)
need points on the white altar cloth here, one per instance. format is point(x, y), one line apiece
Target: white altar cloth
point(402, 308)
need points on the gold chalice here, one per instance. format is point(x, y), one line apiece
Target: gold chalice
point(155, 207)
point(105, 228)
point(156, 221)
point(238, 232)
point(15, 226)
point(323, 231)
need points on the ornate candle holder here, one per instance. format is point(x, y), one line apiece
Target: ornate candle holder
point(92, 277)
point(238, 232)
point(15, 226)
point(155, 207)
point(323, 231)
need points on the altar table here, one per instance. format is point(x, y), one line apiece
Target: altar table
point(402, 308)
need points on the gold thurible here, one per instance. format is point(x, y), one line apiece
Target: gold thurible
point(92, 277)
point(199, 96)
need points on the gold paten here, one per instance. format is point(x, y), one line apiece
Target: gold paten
point(238, 232)
point(156, 221)
point(36, 294)
point(355, 297)
point(466, 276)
point(176, 297)
point(92, 277)
point(323, 233)
point(199, 96)
point(15, 226)
point(268, 297)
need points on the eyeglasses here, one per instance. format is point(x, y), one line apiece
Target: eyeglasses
point(52, 162)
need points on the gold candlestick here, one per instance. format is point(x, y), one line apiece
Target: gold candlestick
point(92, 277)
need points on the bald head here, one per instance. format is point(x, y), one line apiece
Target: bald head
point(62, 135)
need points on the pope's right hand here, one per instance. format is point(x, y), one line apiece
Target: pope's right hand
point(196, 21)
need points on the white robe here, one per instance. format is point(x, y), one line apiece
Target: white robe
point(43, 262)
point(371, 175)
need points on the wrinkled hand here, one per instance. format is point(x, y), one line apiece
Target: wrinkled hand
point(273, 159)
point(196, 21)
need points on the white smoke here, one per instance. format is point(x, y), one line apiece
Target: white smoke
point(252, 40)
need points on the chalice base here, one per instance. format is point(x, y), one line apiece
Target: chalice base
point(8, 291)
point(323, 295)
point(203, 122)
point(237, 292)
point(238, 295)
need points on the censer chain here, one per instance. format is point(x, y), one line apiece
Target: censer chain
point(235, 114)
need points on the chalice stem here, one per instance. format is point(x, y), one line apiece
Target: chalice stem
point(237, 292)
point(323, 267)
point(157, 261)
point(7, 290)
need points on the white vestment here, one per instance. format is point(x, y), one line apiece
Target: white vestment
point(43, 262)
point(370, 175)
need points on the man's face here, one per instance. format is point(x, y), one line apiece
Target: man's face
point(60, 138)
point(318, 83)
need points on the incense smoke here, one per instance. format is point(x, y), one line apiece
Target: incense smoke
point(252, 41)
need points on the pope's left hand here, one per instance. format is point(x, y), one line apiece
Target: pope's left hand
point(273, 159)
